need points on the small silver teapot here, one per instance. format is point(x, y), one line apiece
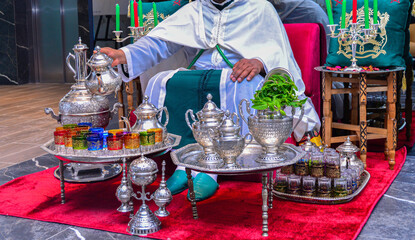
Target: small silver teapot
point(348, 157)
point(102, 80)
point(147, 117)
point(210, 117)
point(230, 144)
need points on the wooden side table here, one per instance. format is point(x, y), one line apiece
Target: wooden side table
point(378, 81)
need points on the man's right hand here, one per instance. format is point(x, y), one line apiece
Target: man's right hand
point(118, 56)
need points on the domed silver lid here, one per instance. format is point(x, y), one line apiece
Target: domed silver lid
point(210, 112)
point(347, 147)
point(146, 108)
point(99, 60)
point(228, 126)
point(143, 166)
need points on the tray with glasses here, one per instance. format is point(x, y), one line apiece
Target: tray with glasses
point(106, 156)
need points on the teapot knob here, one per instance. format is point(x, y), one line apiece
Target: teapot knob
point(145, 98)
point(209, 97)
point(98, 49)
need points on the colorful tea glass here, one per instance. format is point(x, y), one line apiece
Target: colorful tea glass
point(115, 143)
point(79, 144)
point(132, 141)
point(309, 186)
point(158, 138)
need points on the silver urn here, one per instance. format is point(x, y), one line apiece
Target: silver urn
point(102, 80)
point(143, 171)
point(210, 118)
point(148, 117)
point(162, 196)
point(80, 105)
point(230, 144)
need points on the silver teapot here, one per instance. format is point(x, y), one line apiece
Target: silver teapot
point(147, 117)
point(79, 105)
point(230, 144)
point(348, 157)
point(210, 117)
point(102, 80)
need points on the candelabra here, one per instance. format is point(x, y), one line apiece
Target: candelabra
point(136, 33)
point(355, 33)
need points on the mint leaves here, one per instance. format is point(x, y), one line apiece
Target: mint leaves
point(277, 93)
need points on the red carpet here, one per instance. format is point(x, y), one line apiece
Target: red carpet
point(233, 213)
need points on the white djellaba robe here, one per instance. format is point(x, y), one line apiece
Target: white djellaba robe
point(244, 29)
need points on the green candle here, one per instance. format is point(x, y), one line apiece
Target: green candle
point(132, 13)
point(156, 21)
point(140, 13)
point(375, 11)
point(329, 11)
point(343, 25)
point(366, 4)
point(117, 17)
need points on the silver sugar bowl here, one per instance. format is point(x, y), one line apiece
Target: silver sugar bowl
point(103, 80)
point(79, 104)
point(143, 171)
point(230, 144)
point(210, 117)
point(147, 117)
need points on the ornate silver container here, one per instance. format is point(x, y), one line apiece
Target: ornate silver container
point(210, 117)
point(103, 80)
point(162, 196)
point(147, 117)
point(230, 144)
point(79, 105)
point(270, 130)
point(124, 192)
point(143, 171)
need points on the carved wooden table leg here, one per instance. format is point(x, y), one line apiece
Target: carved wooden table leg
point(363, 121)
point(327, 114)
point(121, 112)
point(191, 193)
point(264, 205)
point(391, 120)
point(62, 178)
point(271, 186)
point(129, 89)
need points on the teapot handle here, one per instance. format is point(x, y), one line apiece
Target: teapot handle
point(237, 118)
point(300, 118)
point(189, 111)
point(115, 109)
point(68, 62)
point(252, 138)
point(167, 115)
point(248, 109)
point(126, 122)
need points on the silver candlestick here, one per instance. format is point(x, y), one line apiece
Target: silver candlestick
point(124, 192)
point(355, 33)
point(162, 196)
point(136, 33)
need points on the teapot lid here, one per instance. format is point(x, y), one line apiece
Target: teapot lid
point(308, 146)
point(228, 126)
point(146, 107)
point(347, 147)
point(99, 59)
point(210, 108)
point(80, 46)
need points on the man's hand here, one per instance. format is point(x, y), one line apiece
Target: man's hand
point(118, 56)
point(246, 68)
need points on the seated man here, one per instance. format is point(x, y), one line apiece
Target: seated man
point(246, 33)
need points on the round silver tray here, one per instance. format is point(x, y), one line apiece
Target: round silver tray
point(321, 200)
point(189, 155)
point(172, 141)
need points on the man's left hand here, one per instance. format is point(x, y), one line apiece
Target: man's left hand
point(246, 68)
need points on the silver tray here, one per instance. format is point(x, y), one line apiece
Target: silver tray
point(172, 141)
point(189, 155)
point(321, 200)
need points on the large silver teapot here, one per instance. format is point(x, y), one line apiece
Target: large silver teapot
point(80, 105)
point(230, 144)
point(210, 117)
point(102, 80)
point(147, 117)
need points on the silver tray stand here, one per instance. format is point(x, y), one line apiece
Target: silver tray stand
point(49, 147)
point(188, 156)
point(322, 200)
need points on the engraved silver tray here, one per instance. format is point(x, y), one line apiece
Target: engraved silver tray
point(172, 141)
point(189, 155)
point(321, 200)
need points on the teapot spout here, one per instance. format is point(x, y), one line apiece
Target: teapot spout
point(126, 122)
point(54, 116)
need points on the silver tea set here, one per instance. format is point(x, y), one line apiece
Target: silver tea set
point(142, 172)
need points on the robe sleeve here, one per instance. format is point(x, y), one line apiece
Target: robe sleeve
point(146, 53)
